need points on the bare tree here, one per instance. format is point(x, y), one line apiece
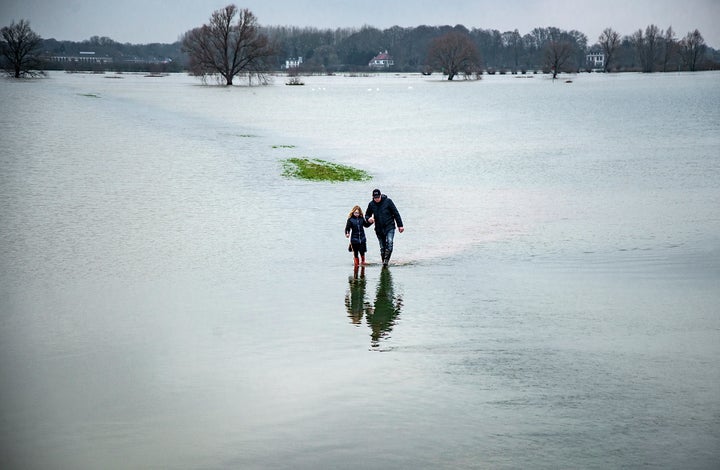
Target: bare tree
point(513, 42)
point(579, 43)
point(454, 53)
point(557, 54)
point(559, 50)
point(669, 47)
point(229, 49)
point(19, 47)
point(652, 40)
point(692, 48)
point(647, 47)
point(638, 42)
point(610, 42)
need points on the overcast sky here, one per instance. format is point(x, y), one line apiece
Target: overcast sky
point(146, 21)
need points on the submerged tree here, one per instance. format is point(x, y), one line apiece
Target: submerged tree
point(20, 48)
point(557, 55)
point(227, 48)
point(610, 42)
point(454, 53)
point(558, 50)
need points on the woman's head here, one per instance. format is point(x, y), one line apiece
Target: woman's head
point(356, 211)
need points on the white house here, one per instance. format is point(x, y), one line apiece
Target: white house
point(293, 63)
point(596, 60)
point(382, 60)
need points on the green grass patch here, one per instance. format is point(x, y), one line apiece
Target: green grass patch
point(320, 170)
point(283, 146)
point(90, 95)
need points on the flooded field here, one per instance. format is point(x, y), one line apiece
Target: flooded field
point(169, 300)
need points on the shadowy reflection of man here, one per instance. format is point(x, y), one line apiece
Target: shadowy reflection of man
point(383, 316)
point(355, 297)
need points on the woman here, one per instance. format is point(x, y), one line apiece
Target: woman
point(355, 231)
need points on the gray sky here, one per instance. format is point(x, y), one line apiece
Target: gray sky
point(146, 21)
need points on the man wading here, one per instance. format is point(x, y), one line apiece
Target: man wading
point(384, 214)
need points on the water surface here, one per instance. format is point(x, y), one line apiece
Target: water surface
point(169, 300)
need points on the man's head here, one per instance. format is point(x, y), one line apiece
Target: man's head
point(376, 195)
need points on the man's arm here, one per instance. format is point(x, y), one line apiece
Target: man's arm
point(369, 213)
point(396, 216)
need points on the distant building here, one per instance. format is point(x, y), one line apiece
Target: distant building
point(293, 63)
point(147, 60)
point(82, 57)
point(381, 61)
point(596, 60)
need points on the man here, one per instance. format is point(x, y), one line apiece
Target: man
point(384, 214)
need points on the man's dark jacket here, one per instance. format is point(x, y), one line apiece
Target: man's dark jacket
point(385, 213)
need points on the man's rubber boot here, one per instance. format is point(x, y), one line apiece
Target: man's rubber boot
point(386, 260)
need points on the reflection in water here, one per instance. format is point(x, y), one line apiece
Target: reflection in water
point(355, 297)
point(387, 308)
point(380, 316)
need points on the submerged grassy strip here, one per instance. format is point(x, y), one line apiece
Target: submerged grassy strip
point(321, 170)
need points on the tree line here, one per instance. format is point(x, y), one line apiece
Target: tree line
point(542, 48)
point(125, 57)
point(264, 49)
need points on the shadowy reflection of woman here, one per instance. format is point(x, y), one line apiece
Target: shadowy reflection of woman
point(355, 297)
point(383, 316)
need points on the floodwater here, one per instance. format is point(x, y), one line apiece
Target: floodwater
point(169, 300)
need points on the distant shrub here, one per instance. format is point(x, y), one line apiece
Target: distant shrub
point(294, 81)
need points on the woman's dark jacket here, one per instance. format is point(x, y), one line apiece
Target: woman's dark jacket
point(354, 227)
point(385, 214)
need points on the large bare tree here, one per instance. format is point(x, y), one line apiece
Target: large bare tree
point(20, 48)
point(559, 49)
point(610, 42)
point(229, 48)
point(557, 55)
point(454, 53)
point(692, 48)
